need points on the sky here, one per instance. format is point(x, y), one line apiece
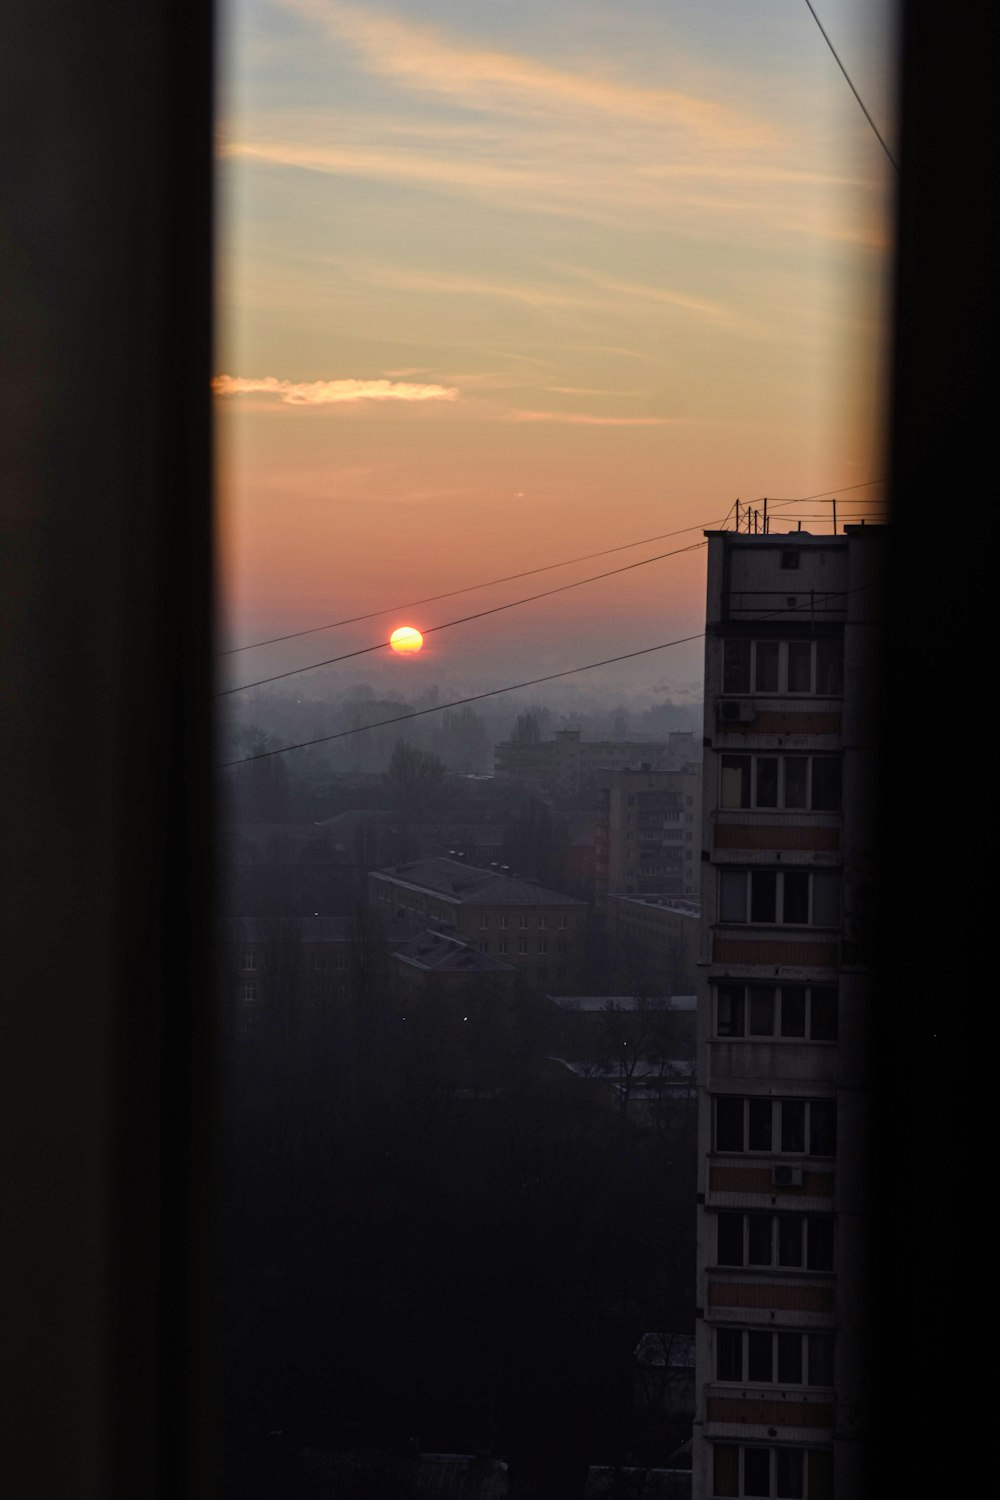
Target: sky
point(501, 283)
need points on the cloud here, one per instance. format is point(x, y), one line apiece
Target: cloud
point(584, 419)
point(479, 78)
point(618, 287)
point(330, 392)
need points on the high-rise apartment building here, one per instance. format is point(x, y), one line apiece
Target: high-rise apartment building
point(790, 648)
point(648, 835)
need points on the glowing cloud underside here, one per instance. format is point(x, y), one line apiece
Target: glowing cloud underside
point(330, 392)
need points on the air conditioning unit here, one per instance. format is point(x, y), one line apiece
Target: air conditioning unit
point(736, 711)
point(786, 1177)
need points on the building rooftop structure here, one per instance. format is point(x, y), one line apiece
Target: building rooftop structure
point(583, 1003)
point(438, 953)
point(471, 885)
point(679, 904)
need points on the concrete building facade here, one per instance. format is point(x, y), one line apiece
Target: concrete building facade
point(568, 764)
point(790, 644)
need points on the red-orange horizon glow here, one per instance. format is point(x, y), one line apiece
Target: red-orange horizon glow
point(406, 640)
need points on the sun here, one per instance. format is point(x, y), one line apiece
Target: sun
point(406, 640)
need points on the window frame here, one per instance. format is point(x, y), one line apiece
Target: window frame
point(754, 758)
point(812, 992)
point(810, 1340)
point(758, 873)
point(814, 1485)
point(780, 1127)
point(807, 1250)
point(755, 666)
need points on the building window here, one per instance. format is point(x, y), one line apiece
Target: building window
point(785, 898)
point(502, 946)
point(562, 924)
point(542, 923)
point(484, 947)
point(522, 946)
point(522, 922)
point(775, 1473)
point(249, 992)
point(796, 783)
point(504, 921)
point(789, 558)
point(736, 654)
point(749, 1356)
point(797, 1241)
point(795, 1012)
point(799, 667)
point(775, 1127)
point(249, 959)
point(543, 946)
point(561, 946)
point(484, 922)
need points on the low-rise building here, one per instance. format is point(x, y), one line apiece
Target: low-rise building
point(541, 933)
point(435, 961)
point(658, 937)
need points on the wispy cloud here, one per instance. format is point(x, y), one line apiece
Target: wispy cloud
point(591, 169)
point(585, 419)
point(428, 60)
point(330, 392)
point(619, 287)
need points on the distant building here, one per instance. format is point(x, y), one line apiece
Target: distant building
point(361, 1476)
point(307, 961)
point(649, 832)
point(791, 633)
point(434, 961)
point(662, 937)
point(605, 1482)
point(539, 932)
point(568, 764)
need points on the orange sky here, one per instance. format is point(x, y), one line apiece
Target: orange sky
point(500, 285)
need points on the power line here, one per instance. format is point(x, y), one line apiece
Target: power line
point(843, 489)
point(471, 587)
point(528, 572)
point(854, 91)
point(325, 739)
point(465, 619)
point(515, 603)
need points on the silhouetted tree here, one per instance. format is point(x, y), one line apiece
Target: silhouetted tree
point(415, 777)
point(527, 729)
point(536, 843)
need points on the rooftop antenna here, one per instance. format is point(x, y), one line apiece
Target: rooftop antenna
point(835, 515)
point(765, 515)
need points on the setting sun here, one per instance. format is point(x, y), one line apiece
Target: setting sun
point(406, 640)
